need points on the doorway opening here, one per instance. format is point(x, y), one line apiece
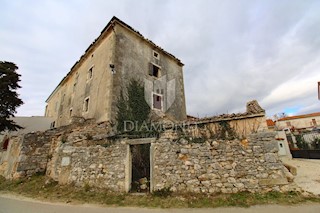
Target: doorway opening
point(140, 178)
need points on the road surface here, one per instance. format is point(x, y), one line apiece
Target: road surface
point(12, 204)
point(308, 174)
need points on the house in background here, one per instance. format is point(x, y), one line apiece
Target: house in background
point(299, 122)
point(270, 124)
point(92, 87)
point(29, 124)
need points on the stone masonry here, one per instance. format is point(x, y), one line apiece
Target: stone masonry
point(226, 166)
point(84, 154)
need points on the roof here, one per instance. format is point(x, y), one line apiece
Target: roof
point(270, 123)
point(190, 117)
point(111, 24)
point(300, 116)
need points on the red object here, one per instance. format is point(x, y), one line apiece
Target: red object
point(5, 144)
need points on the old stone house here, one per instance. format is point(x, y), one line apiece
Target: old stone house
point(226, 153)
point(92, 86)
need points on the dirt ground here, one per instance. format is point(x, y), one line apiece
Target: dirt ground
point(13, 204)
point(308, 174)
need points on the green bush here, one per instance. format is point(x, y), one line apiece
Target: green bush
point(164, 192)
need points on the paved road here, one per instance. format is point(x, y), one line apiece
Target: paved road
point(10, 204)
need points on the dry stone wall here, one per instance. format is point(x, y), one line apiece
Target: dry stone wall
point(83, 155)
point(226, 166)
point(94, 166)
point(33, 156)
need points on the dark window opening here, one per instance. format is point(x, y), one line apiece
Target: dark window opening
point(52, 125)
point(90, 73)
point(155, 71)
point(5, 144)
point(86, 105)
point(155, 54)
point(157, 102)
point(70, 113)
point(281, 145)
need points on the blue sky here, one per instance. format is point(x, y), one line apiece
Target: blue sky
point(233, 51)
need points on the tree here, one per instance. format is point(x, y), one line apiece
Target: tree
point(9, 100)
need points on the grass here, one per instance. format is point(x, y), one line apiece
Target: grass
point(38, 187)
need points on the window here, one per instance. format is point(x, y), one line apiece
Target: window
point(56, 106)
point(156, 55)
point(53, 124)
point(86, 105)
point(75, 82)
point(155, 71)
point(5, 144)
point(70, 112)
point(157, 101)
point(314, 122)
point(90, 73)
point(288, 123)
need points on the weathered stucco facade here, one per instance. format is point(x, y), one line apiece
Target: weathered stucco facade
point(92, 87)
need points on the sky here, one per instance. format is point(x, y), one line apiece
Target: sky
point(234, 51)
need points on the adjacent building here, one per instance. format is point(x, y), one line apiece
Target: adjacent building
point(306, 121)
point(28, 124)
point(92, 87)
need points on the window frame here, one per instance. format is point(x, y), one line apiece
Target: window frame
point(152, 100)
point(90, 76)
point(157, 55)
point(151, 71)
point(86, 104)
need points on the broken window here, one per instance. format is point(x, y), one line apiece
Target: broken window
point(157, 102)
point(86, 105)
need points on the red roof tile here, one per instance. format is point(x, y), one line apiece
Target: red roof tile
point(300, 116)
point(270, 123)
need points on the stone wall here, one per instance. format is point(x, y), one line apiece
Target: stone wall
point(83, 155)
point(238, 125)
point(226, 166)
point(94, 166)
point(34, 154)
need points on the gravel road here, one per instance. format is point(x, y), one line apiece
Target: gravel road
point(308, 174)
